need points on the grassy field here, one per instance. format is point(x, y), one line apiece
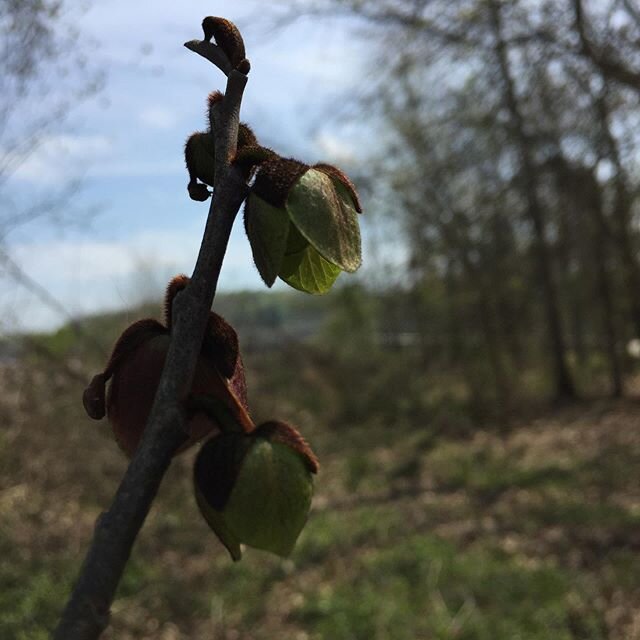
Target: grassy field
point(532, 534)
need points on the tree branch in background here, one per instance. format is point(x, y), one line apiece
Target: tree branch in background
point(87, 612)
point(610, 66)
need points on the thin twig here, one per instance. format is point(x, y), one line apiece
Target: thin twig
point(212, 53)
point(87, 612)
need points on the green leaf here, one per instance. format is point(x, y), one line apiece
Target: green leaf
point(214, 475)
point(340, 178)
point(308, 271)
point(215, 519)
point(296, 242)
point(270, 501)
point(256, 489)
point(326, 219)
point(267, 228)
point(344, 194)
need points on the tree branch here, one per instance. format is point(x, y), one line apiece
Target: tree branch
point(212, 53)
point(87, 612)
point(608, 64)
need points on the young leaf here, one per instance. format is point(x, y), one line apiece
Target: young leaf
point(296, 242)
point(326, 219)
point(308, 271)
point(267, 229)
point(256, 488)
point(339, 177)
point(214, 475)
point(270, 501)
point(216, 522)
point(346, 194)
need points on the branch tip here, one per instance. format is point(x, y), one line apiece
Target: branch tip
point(212, 53)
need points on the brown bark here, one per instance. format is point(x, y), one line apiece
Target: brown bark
point(622, 204)
point(563, 383)
point(578, 186)
point(87, 612)
point(607, 62)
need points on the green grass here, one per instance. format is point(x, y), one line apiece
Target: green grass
point(32, 590)
point(424, 587)
point(416, 532)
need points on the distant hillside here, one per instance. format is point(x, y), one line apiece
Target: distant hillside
point(262, 319)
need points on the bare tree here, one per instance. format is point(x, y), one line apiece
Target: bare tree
point(44, 76)
point(504, 88)
point(610, 59)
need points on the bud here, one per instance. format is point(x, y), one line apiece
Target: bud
point(302, 224)
point(200, 158)
point(256, 488)
point(135, 368)
point(227, 37)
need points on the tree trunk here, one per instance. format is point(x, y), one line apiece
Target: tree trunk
point(563, 383)
point(580, 189)
point(454, 235)
point(623, 202)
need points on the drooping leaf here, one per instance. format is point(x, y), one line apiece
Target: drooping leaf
point(267, 228)
point(256, 488)
point(270, 501)
point(218, 464)
point(215, 519)
point(214, 475)
point(326, 219)
point(278, 431)
point(346, 194)
point(296, 242)
point(339, 177)
point(308, 271)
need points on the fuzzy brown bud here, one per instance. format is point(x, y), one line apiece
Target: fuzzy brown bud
point(227, 37)
point(275, 178)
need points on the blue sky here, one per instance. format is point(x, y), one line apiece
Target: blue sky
point(126, 143)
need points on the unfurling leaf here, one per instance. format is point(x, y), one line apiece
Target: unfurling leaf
point(340, 178)
point(256, 488)
point(308, 271)
point(267, 229)
point(326, 219)
point(302, 224)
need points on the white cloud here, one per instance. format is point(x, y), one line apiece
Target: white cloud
point(90, 259)
point(88, 276)
point(147, 115)
point(61, 157)
point(334, 148)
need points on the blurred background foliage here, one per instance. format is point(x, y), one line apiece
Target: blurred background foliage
point(474, 410)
